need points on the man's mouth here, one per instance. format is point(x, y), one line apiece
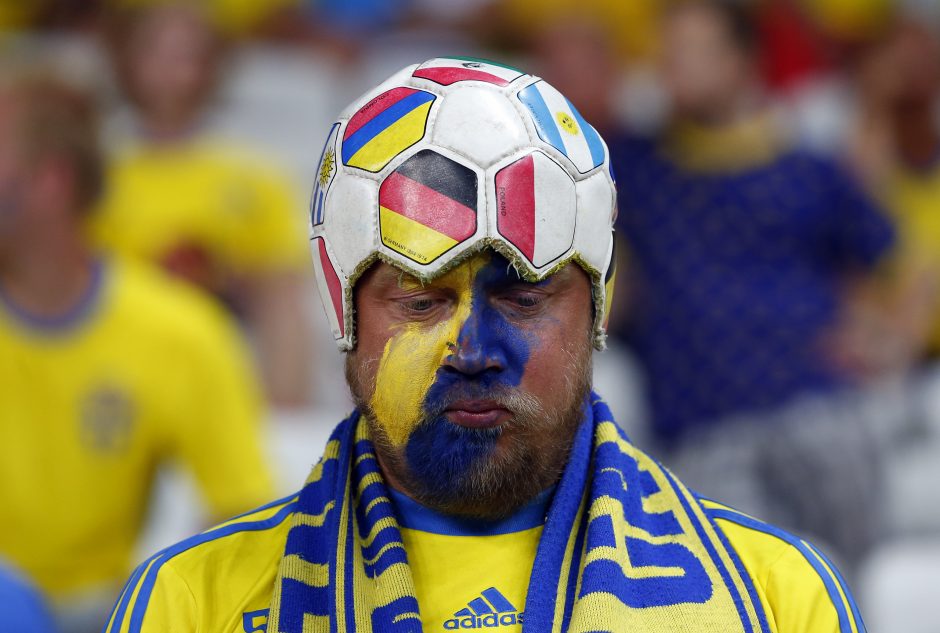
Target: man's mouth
point(477, 414)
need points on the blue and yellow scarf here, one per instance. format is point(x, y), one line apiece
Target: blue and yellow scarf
point(625, 547)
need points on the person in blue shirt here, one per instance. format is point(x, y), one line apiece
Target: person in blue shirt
point(741, 247)
point(23, 608)
point(745, 257)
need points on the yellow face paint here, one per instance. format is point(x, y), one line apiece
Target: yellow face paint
point(413, 355)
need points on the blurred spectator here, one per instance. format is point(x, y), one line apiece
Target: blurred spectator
point(793, 50)
point(108, 369)
point(237, 19)
point(631, 27)
point(744, 250)
point(896, 147)
point(576, 55)
point(202, 208)
point(24, 609)
point(16, 15)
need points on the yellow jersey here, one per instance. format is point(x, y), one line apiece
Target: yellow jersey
point(223, 580)
point(201, 196)
point(144, 369)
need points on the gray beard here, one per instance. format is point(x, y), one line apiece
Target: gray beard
point(529, 460)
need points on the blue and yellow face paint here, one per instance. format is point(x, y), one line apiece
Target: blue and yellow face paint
point(475, 350)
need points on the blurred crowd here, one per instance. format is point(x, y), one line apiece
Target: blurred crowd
point(776, 328)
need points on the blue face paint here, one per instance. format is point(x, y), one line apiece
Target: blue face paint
point(489, 357)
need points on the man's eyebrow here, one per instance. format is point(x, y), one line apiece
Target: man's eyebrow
point(407, 278)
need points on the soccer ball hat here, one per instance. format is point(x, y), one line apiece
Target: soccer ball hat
point(452, 156)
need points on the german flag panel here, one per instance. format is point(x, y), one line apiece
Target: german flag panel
point(389, 124)
point(427, 206)
point(450, 70)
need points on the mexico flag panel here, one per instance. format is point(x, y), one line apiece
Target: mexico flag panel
point(560, 125)
point(541, 226)
point(329, 286)
point(389, 124)
point(450, 70)
point(427, 206)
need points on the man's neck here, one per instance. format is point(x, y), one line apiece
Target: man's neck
point(49, 276)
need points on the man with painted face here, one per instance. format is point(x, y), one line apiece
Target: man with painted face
point(461, 234)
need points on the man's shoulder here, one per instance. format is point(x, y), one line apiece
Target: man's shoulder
point(219, 580)
point(796, 582)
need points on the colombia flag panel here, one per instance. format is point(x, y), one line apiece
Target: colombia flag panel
point(389, 124)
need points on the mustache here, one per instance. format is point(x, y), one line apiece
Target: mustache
point(526, 409)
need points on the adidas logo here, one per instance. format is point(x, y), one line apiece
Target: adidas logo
point(489, 610)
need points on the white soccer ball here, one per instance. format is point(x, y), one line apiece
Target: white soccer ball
point(451, 156)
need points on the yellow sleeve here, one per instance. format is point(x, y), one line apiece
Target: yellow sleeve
point(210, 582)
point(800, 600)
point(155, 600)
point(800, 589)
point(222, 440)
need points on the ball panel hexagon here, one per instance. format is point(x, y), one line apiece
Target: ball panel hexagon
point(450, 70)
point(350, 221)
point(386, 126)
point(479, 124)
point(536, 208)
point(427, 206)
point(559, 124)
point(596, 207)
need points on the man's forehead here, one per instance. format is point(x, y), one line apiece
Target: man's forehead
point(497, 267)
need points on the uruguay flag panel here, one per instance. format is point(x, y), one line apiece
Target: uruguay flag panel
point(329, 286)
point(427, 206)
point(383, 128)
point(450, 70)
point(560, 125)
point(325, 171)
point(541, 226)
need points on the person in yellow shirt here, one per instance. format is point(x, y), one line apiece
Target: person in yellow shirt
point(208, 211)
point(108, 370)
point(480, 483)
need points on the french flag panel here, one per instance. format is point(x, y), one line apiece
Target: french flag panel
point(536, 205)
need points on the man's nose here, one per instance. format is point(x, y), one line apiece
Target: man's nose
point(478, 349)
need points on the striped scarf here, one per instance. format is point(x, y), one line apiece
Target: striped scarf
point(625, 547)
